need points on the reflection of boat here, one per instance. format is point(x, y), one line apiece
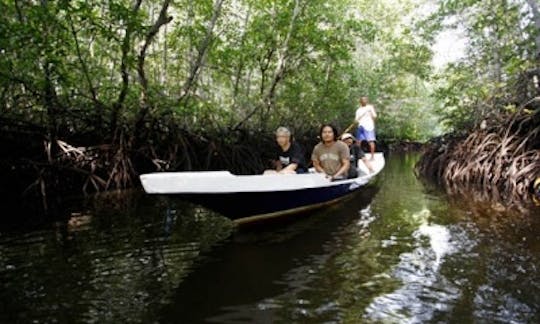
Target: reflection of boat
point(254, 197)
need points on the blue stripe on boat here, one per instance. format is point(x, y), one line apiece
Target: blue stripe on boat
point(243, 204)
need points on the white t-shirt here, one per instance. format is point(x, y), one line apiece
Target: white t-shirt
point(364, 118)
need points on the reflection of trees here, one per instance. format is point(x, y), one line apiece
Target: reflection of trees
point(489, 273)
point(356, 265)
point(122, 267)
point(498, 274)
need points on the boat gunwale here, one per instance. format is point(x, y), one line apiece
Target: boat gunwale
point(361, 180)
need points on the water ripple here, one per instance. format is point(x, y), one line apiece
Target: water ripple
point(424, 291)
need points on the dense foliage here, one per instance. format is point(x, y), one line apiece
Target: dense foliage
point(121, 66)
point(499, 72)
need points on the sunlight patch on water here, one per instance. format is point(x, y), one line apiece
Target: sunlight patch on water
point(422, 216)
point(439, 241)
point(366, 218)
point(424, 291)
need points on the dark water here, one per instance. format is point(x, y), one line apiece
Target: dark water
point(399, 252)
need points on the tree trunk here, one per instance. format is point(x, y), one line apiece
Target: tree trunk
point(201, 53)
point(267, 101)
point(98, 105)
point(144, 104)
point(536, 18)
point(263, 66)
point(163, 76)
point(240, 66)
point(50, 101)
point(283, 58)
point(19, 12)
point(126, 47)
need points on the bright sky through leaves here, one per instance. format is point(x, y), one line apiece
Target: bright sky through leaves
point(449, 47)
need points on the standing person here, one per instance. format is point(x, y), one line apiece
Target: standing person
point(356, 153)
point(289, 158)
point(331, 156)
point(365, 116)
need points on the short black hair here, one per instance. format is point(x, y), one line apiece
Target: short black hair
point(334, 130)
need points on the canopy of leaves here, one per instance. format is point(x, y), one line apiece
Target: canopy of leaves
point(498, 71)
point(117, 66)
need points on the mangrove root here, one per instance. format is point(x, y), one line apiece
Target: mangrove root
point(502, 160)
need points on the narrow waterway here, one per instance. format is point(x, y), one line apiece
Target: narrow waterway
point(399, 252)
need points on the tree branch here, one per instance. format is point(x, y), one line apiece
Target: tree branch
point(97, 104)
point(126, 47)
point(202, 50)
point(161, 20)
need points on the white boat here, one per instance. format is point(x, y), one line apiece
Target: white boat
point(247, 198)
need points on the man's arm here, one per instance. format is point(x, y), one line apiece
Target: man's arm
point(277, 165)
point(297, 155)
point(373, 113)
point(345, 164)
point(290, 167)
point(344, 156)
point(317, 166)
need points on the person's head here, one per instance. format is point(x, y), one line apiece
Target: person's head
point(348, 139)
point(364, 100)
point(328, 133)
point(283, 136)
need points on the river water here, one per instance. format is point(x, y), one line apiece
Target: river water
point(398, 252)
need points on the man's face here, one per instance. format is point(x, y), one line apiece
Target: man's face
point(363, 101)
point(348, 141)
point(327, 134)
point(282, 140)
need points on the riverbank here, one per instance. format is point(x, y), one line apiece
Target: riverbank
point(40, 172)
point(500, 159)
point(34, 167)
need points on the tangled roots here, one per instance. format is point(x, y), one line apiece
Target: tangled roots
point(502, 161)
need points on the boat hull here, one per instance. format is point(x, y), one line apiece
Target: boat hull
point(260, 205)
point(256, 197)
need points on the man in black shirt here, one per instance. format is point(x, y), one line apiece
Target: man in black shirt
point(356, 154)
point(289, 156)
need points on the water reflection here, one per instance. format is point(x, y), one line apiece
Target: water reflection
point(260, 265)
point(116, 266)
point(399, 252)
point(424, 291)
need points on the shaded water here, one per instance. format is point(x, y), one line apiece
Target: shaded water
point(399, 252)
